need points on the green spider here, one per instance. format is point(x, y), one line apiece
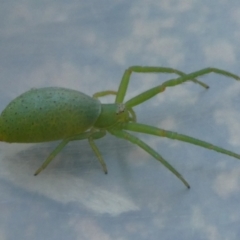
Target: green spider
point(52, 113)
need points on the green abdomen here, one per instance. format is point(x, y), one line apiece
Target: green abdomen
point(48, 114)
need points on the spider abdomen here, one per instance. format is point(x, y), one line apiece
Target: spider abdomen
point(48, 114)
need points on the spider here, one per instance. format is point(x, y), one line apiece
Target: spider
point(53, 113)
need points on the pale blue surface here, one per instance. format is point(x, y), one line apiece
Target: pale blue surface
point(87, 45)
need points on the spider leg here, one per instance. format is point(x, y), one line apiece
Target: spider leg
point(104, 93)
point(173, 82)
point(125, 135)
point(87, 135)
point(145, 69)
point(97, 152)
point(142, 128)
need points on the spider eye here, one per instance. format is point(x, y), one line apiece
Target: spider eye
point(120, 108)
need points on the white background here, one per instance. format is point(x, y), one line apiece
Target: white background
point(87, 45)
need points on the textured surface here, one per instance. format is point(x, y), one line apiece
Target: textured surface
point(47, 114)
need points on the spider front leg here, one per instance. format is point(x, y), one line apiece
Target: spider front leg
point(142, 128)
point(174, 82)
point(125, 135)
point(144, 69)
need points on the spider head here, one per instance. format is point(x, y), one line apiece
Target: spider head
point(112, 114)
